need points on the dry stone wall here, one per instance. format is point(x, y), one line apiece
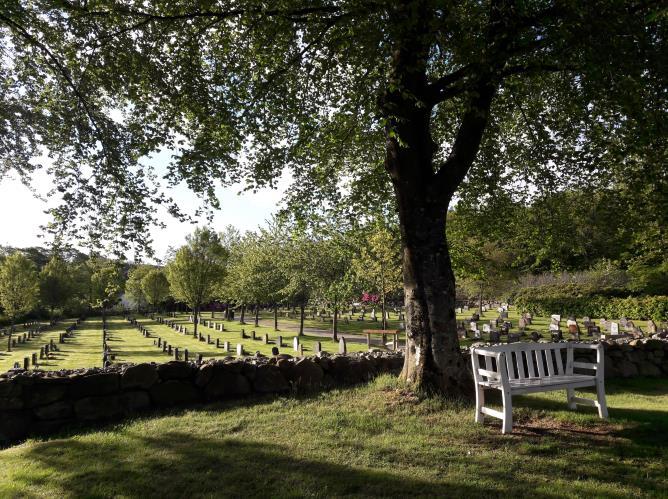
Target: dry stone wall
point(40, 402)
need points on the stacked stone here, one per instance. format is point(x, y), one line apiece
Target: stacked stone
point(41, 402)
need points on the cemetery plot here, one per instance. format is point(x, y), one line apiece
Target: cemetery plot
point(212, 343)
point(83, 348)
point(26, 346)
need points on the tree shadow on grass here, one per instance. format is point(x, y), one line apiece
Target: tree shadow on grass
point(179, 463)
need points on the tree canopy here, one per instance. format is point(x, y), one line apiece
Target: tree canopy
point(358, 99)
point(19, 285)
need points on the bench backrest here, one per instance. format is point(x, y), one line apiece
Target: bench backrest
point(526, 360)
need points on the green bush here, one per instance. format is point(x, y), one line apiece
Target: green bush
point(569, 300)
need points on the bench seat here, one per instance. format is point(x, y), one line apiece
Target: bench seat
point(530, 385)
point(519, 368)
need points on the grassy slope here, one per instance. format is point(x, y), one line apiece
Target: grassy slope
point(377, 440)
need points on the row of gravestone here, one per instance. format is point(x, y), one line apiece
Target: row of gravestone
point(225, 345)
point(45, 352)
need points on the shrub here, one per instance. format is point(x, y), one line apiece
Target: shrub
point(569, 300)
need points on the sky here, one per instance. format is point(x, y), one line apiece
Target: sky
point(22, 212)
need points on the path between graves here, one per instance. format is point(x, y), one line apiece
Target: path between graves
point(353, 338)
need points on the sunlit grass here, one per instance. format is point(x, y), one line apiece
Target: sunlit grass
point(376, 440)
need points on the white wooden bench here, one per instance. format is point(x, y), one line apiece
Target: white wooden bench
point(534, 367)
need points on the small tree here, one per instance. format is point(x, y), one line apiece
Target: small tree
point(134, 289)
point(378, 266)
point(19, 288)
point(55, 283)
point(106, 286)
point(253, 276)
point(155, 287)
point(197, 269)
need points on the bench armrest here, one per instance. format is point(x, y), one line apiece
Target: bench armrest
point(587, 346)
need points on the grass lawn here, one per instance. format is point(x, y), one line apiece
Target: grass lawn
point(128, 345)
point(375, 440)
point(26, 349)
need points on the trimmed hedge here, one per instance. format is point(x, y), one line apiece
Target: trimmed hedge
point(566, 300)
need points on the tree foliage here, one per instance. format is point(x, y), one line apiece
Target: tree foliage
point(19, 285)
point(55, 283)
point(155, 287)
point(196, 269)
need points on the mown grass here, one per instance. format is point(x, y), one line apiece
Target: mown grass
point(375, 440)
point(128, 345)
point(22, 350)
point(232, 334)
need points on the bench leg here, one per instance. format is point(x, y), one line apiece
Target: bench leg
point(479, 403)
point(570, 394)
point(600, 394)
point(507, 426)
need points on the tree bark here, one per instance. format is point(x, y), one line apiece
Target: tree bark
point(301, 320)
point(257, 315)
point(480, 300)
point(195, 319)
point(275, 318)
point(242, 317)
point(335, 324)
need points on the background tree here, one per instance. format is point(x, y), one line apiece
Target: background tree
point(55, 284)
point(297, 263)
point(335, 279)
point(19, 288)
point(412, 96)
point(253, 277)
point(196, 270)
point(378, 265)
point(155, 287)
point(134, 288)
point(106, 285)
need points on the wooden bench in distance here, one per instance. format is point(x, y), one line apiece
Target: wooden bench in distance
point(392, 332)
point(534, 367)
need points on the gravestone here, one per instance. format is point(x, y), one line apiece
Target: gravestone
point(300, 350)
point(476, 334)
point(486, 328)
point(614, 328)
point(295, 343)
point(265, 339)
point(651, 327)
point(274, 351)
point(240, 350)
point(317, 347)
point(185, 354)
point(226, 346)
point(342, 345)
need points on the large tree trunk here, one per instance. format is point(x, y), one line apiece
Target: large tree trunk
point(242, 316)
point(423, 190)
point(257, 315)
point(433, 360)
point(480, 300)
point(335, 324)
